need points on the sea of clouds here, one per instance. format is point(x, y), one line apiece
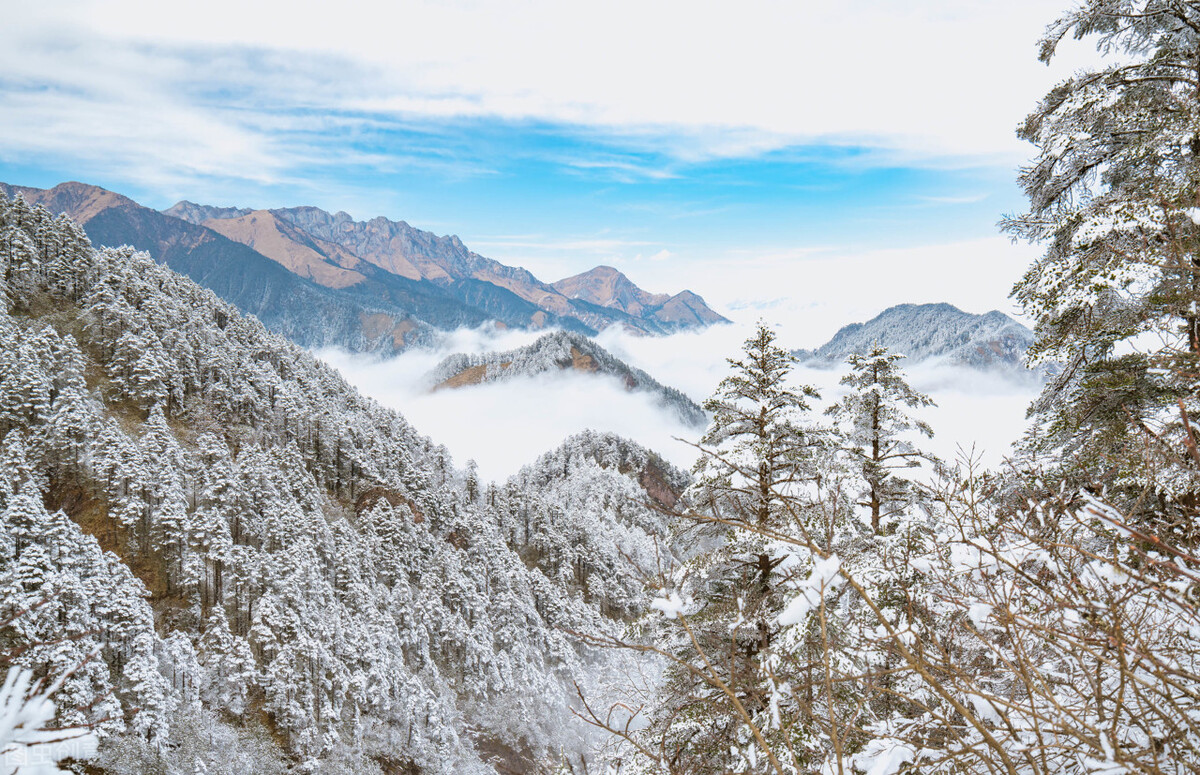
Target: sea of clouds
point(505, 425)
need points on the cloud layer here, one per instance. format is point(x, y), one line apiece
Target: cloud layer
point(250, 89)
point(503, 426)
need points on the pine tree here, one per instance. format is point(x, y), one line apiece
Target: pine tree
point(875, 420)
point(1113, 195)
point(760, 477)
point(758, 448)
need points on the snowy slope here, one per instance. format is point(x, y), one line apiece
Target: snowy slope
point(272, 572)
point(942, 332)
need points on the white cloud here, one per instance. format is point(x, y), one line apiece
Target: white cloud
point(975, 409)
point(811, 292)
point(506, 425)
point(695, 80)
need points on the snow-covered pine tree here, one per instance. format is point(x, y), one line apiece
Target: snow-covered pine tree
point(876, 427)
point(1114, 194)
point(759, 477)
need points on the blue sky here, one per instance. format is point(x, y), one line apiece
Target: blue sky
point(772, 156)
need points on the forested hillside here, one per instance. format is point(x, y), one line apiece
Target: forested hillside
point(250, 568)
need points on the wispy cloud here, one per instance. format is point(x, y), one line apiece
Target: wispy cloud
point(620, 170)
point(120, 78)
point(966, 199)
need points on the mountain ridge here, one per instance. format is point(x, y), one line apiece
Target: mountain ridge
point(553, 353)
point(304, 311)
point(992, 341)
point(405, 250)
point(608, 287)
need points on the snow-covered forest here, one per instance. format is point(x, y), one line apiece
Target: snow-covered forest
point(261, 569)
point(217, 556)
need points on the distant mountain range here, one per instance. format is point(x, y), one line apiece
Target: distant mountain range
point(325, 279)
point(942, 332)
point(556, 352)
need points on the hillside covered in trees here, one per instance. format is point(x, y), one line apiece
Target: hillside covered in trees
point(557, 352)
point(242, 564)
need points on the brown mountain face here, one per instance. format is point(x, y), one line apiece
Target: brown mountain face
point(287, 301)
point(404, 250)
point(608, 287)
point(420, 255)
point(322, 262)
point(372, 267)
point(79, 201)
point(474, 375)
point(686, 309)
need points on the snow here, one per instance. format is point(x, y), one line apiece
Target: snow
point(27, 746)
point(823, 578)
point(671, 605)
point(884, 756)
point(979, 613)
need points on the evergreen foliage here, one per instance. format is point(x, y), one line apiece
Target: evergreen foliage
point(243, 565)
point(1113, 193)
point(875, 425)
point(1038, 620)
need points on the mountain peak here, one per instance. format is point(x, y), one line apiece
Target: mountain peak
point(604, 270)
point(608, 287)
point(556, 352)
point(80, 201)
point(198, 213)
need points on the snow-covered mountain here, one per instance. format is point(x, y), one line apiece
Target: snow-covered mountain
point(941, 332)
point(241, 565)
point(556, 352)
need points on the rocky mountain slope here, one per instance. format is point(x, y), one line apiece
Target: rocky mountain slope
point(609, 289)
point(557, 352)
point(326, 280)
point(587, 303)
point(250, 568)
point(927, 332)
point(297, 307)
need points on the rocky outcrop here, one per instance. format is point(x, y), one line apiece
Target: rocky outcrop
point(322, 262)
point(607, 287)
point(586, 303)
point(198, 214)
